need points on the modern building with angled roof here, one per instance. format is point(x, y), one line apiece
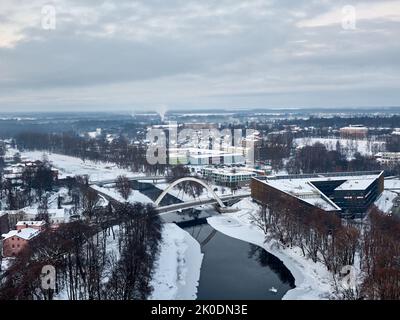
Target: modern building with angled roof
point(349, 194)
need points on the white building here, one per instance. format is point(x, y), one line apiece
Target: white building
point(95, 134)
point(30, 224)
point(194, 156)
point(389, 158)
point(228, 176)
point(212, 158)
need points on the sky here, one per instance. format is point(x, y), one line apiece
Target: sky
point(93, 55)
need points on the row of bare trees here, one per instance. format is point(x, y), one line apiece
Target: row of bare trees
point(381, 257)
point(317, 158)
point(325, 238)
point(87, 266)
point(120, 151)
point(34, 183)
point(320, 235)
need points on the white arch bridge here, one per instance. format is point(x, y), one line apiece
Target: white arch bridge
point(219, 201)
point(198, 202)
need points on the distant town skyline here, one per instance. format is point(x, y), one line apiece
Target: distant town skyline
point(69, 55)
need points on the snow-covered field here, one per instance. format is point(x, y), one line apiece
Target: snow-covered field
point(348, 146)
point(135, 196)
point(177, 272)
point(313, 281)
point(72, 166)
point(53, 210)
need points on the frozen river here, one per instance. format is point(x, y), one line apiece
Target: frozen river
point(234, 269)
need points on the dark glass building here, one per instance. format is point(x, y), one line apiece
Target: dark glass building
point(349, 194)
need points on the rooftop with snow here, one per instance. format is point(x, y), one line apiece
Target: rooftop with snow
point(26, 234)
point(31, 223)
point(302, 186)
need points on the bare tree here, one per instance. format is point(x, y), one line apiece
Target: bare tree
point(90, 201)
point(123, 186)
point(43, 212)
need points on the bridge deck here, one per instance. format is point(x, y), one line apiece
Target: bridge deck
point(196, 203)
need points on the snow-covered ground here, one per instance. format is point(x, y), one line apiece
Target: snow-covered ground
point(348, 146)
point(178, 267)
point(5, 263)
point(313, 281)
point(72, 166)
point(55, 214)
point(392, 184)
point(385, 201)
point(113, 253)
point(135, 195)
point(112, 241)
point(177, 272)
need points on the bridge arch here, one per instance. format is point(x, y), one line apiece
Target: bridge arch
point(176, 182)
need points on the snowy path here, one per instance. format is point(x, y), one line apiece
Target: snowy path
point(177, 273)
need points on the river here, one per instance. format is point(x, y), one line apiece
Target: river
point(232, 269)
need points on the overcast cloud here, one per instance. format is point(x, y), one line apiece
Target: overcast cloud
point(138, 55)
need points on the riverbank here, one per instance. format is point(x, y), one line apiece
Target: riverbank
point(177, 273)
point(313, 281)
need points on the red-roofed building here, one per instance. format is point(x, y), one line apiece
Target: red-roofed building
point(17, 240)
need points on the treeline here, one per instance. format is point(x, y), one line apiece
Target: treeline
point(381, 258)
point(339, 122)
point(393, 144)
point(325, 238)
point(2, 153)
point(320, 235)
point(275, 149)
point(317, 158)
point(34, 183)
point(87, 265)
point(79, 122)
point(120, 151)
